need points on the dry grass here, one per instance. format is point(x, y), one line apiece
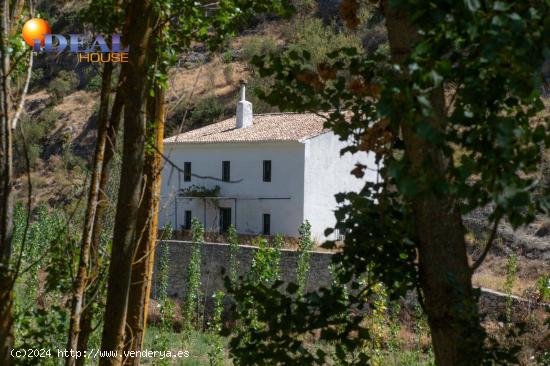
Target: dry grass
point(202, 81)
point(492, 274)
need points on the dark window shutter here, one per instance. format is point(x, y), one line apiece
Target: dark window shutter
point(187, 171)
point(266, 224)
point(226, 171)
point(267, 170)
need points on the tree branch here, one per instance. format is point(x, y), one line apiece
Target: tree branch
point(23, 94)
point(180, 170)
point(29, 211)
point(488, 247)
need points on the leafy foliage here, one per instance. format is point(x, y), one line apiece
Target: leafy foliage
point(543, 287)
point(44, 244)
point(207, 110)
point(210, 24)
point(200, 191)
point(304, 246)
point(65, 83)
point(265, 264)
point(161, 340)
point(216, 353)
point(257, 46)
point(511, 277)
point(233, 241)
point(487, 58)
point(264, 272)
point(193, 292)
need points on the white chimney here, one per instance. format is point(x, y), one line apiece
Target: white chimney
point(244, 109)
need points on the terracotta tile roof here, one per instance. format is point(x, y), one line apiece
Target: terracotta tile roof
point(266, 127)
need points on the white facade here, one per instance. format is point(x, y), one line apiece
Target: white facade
point(305, 176)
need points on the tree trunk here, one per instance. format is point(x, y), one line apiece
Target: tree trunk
point(142, 268)
point(138, 32)
point(86, 319)
point(6, 197)
point(6, 318)
point(8, 26)
point(110, 148)
point(445, 276)
point(81, 281)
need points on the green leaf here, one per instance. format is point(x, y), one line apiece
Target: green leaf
point(501, 6)
point(472, 5)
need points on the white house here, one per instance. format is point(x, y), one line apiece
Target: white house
point(274, 171)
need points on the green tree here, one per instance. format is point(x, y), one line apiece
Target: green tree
point(193, 291)
point(304, 247)
point(233, 240)
point(460, 80)
point(157, 32)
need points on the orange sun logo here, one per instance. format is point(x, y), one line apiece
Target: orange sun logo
point(35, 28)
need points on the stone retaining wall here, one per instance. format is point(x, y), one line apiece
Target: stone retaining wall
point(215, 258)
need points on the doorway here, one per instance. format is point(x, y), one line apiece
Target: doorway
point(225, 219)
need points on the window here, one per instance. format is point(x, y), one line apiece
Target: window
point(266, 225)
point(226, 171)
point(188, 216)
point(339, 236)
point(187, 171)
point(267, 170)
point(225, 219)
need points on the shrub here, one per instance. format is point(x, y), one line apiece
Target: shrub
point(193, 292)
point(65, 83)
point(37, 79)
point(543, 287)
point(304, 246)
point(48, 118)
point(259, 105)
point(34, 132)
point(94, 84)
point(511, 277)
point(207, 110)
point(228, 73)
point(216, 352)
point(233, 240)
point(227, 56)
point(166, 305)
point(312, 35)
point(265, 264)
point(257, 45)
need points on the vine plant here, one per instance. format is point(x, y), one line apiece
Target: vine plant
point(191, 311)
point(233, 240)
point(303, 264)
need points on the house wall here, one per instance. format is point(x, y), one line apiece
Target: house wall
point(326, 174)
point(282, 197)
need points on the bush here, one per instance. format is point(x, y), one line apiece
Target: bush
point(312, 35)
point(257, 45)
point(65, 83)
point(47, 119)
point(228, 73)
point(259, 106)
point(543, 287)
point(94, 84)
point(207, 110)
point(227, 56)
point(35, 132)
point(37, 79)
